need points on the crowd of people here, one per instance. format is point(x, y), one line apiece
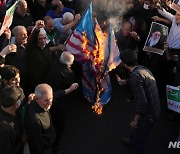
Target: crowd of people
point(36, 69)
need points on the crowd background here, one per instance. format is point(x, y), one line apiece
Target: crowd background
point(38, 75)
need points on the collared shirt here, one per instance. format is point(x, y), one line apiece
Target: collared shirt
point(63, 34)
point(145, 92)
point(174, 33)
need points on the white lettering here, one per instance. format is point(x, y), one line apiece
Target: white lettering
point(178, 144)
point(174, 144)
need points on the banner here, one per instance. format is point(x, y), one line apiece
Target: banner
point(173, 98)
point(8, 18)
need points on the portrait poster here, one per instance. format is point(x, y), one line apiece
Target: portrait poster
point(156, 38)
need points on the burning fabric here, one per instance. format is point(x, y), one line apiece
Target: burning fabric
point(98, 54)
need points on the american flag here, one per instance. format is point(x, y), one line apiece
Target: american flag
point(95, 78)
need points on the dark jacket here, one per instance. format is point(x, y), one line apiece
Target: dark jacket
point(10, 132)
point(40, 130)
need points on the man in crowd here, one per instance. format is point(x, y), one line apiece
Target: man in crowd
point(21, 17)
point(65, 25)
point(19, 59)
point(39, 55)
point(52, 34)
point(9, 76)
point(146, 98)
point(12, 138)
point(58, 9)
point(126, 38)
point(40, 130)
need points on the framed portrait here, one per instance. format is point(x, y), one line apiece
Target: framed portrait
point(156, 38)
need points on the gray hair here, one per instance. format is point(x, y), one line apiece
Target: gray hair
point(68, 16)
point(42, 89)
point(22, 2)
point(42, 31)
point(66, 58)
point(17, 29)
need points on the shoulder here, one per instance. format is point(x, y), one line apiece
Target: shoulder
point(66, 9)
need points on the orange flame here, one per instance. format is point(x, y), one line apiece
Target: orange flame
point(98, 58)
point(84, 45)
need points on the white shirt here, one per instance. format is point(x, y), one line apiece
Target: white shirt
point(173, 39)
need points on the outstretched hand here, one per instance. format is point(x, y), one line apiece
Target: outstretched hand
point(8, 49)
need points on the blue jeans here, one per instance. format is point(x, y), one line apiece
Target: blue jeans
point(139, 135)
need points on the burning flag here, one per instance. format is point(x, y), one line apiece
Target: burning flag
point(98, 54)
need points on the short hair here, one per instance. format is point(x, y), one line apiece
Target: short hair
point(42, 89)
point(8, 72)
point(68, 16)
point(54, 4)
point(10, 95)
point(22, 2)
point(47, 18)
point(127, 22)
point(42, 31)
point(16, 30)
point(66, 58)
point(128, 57)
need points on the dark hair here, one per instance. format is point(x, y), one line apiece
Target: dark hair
point(128, 57)
point(8, 72)
point(10, 95)
point(46, 19)
point(54, 6)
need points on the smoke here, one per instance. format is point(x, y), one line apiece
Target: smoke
point(111, 10)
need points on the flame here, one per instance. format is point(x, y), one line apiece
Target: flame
point(97, 57)
point(97, 105)
point(84, 45)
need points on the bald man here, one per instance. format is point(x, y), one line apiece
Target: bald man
point(65, 25)
point(40, 131)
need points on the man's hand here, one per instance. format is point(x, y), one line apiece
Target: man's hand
point(156, 18)
point(77, 18)
point(7, 32)
point(8, 49)
point(133, 123)
point(61, 47)
point(135, 36)
point(31, 97)
point(73, 87)
point(39, 24)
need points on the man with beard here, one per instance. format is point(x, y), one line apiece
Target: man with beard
point(39, 55)
point(52, 34)
point(154, 40)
